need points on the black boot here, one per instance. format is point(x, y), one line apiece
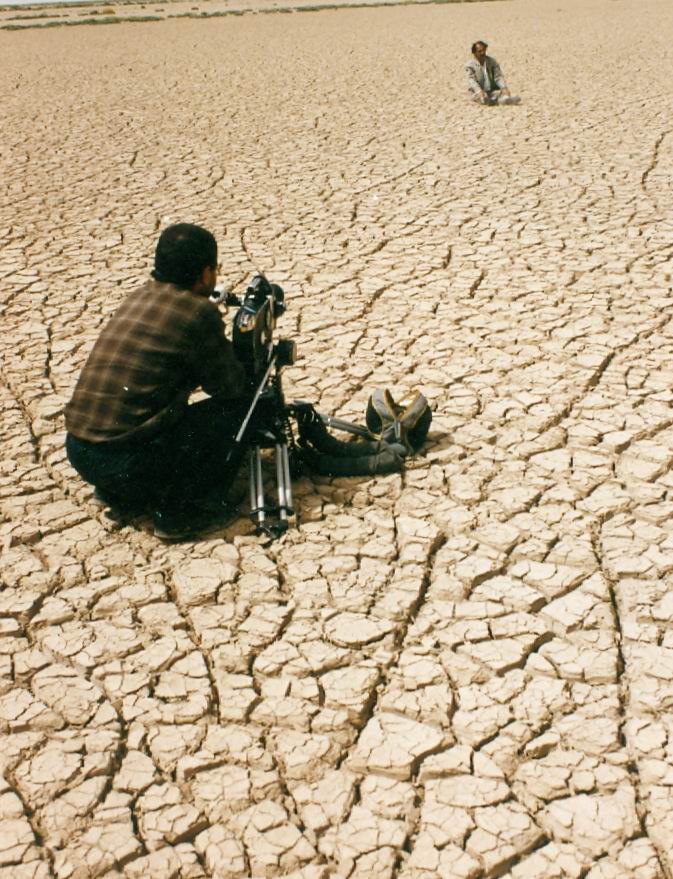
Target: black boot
point(384, 460)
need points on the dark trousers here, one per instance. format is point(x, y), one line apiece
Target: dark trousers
point(193, 460)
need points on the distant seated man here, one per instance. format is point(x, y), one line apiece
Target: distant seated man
point(130, 429)
point(485, 80)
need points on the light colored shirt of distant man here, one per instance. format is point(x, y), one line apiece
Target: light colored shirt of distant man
point(485, 79)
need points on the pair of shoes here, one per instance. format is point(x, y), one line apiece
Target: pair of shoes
point(172, 526)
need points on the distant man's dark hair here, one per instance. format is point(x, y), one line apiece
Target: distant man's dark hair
point(478, 43)
point(183, 252)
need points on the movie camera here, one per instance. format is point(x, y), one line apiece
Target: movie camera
point(254, 324)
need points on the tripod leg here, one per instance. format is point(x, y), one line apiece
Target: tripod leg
point(252, 481)
point(280, 481)
point(346, 426)
point(257, 504)
point(287, 478)
point(331, 421)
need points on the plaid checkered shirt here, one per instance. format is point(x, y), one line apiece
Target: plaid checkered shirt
point(160, 345)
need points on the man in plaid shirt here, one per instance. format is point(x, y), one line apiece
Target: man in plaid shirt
point(130, 430)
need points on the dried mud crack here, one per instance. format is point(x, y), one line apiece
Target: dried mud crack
point(463, 672)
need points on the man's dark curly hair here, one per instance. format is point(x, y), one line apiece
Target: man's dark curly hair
point(183, 252)
point(479, 43)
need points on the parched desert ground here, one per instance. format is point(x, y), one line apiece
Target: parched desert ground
point(43, 15)
point(464, 671)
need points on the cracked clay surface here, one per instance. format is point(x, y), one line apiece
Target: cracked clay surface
point(465, 671)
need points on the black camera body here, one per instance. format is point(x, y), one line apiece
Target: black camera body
point(254, 324)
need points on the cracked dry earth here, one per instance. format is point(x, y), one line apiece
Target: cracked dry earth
point(465, 671)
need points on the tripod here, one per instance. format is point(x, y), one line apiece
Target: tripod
point(267, 425)
point(271, 431)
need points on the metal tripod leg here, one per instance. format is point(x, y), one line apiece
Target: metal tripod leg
point(257, 503)
point(284, 482)
point(346, 426)
point(339, 423)
point(288, 480)
point(280, 483)
point(272, 520)
point(284, 486)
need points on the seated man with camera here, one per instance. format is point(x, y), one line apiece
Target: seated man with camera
point(134, 435)
point(130, 429)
